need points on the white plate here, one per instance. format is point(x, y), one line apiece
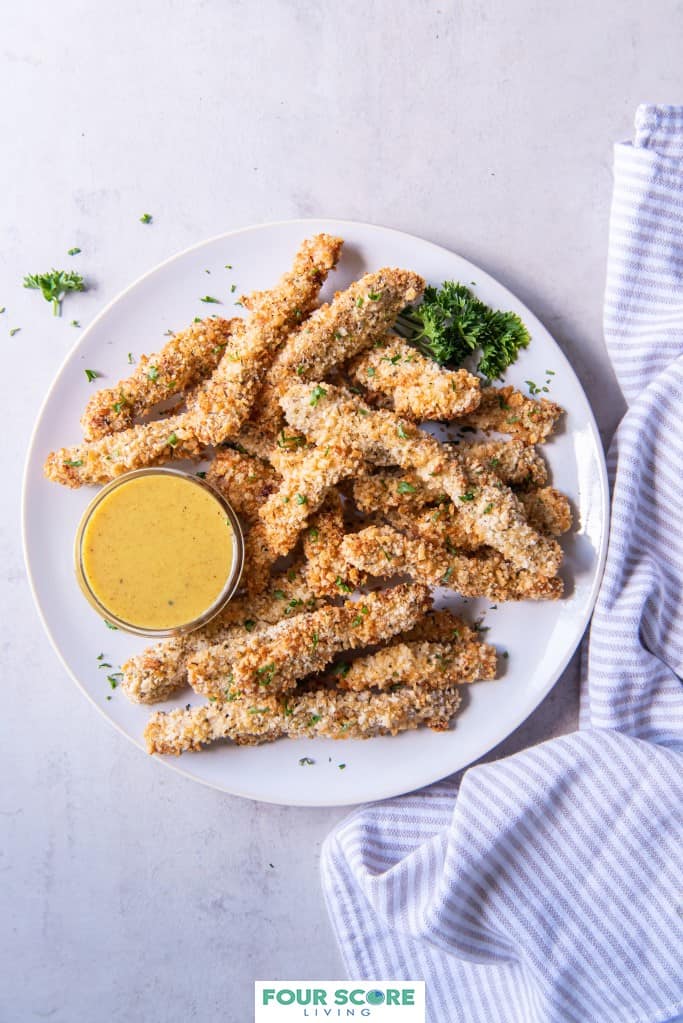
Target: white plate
point(540, 638)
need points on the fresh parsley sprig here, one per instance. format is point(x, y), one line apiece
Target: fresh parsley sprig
point(451, 324)
point(54, 286)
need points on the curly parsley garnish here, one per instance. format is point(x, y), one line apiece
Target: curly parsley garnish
point(451, 323)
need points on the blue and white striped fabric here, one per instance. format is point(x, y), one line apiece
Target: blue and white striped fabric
point(548, 887)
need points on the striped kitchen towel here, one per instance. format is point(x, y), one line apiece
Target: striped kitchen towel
point(548, 887)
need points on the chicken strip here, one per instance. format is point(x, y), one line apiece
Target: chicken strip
point(246, 482)
point(487, 505)
point(293, 649)
point(511, 461)
point(327, 573)
point(384, 552)
point(306, 481)
point(189, 357)
point(548, 510)
point(161, 670)
point(223, 403)
point(434, 665)
point(354, 320)
point(506, 410)
point(105, 459)
point(417, 386)
point(323, 713)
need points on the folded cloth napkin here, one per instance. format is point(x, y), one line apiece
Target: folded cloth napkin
point(549, 886)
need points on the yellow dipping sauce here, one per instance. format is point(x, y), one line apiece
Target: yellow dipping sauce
point(157, 551)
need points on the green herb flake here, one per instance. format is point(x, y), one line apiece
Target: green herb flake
point(14, 330)
point(371, 371)
point(375, 296)
point(75, 323)
point(249, 624)
point(210, 299)
point(400, 430)
point(317, 393)
point(342, 669)
point(152, 373)
point(279, 594)
point(341, 585)
point(301, 499)
point(469, 496)
point(313, 533)
point(488, 509)
point(109, 625)
point(54, 285)
point(74, 463)
point(74, 251)
point(265, 673)
point(173, 440)
point(306, 762)
point(342, 767)
point(314, 640)
point(404, 487)
point(91, 374)
point(146, 218)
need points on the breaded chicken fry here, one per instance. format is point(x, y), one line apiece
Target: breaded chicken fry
point(506, 410)
point(190, 356)
point(488, 506)
point(245, 481)
point(323, 713)
point(435, 665)
point(161, 670)
point(511, 461)
point(142, 445)
point(418, 387)
point(548, 510)
point(223, 403)
point(383, 551)
point(334, 333)
point(327, 573)
point(306, 481)
point(293, 649)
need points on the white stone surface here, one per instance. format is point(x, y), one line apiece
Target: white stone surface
point(129, 893)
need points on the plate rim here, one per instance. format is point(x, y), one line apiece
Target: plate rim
point(174, 764)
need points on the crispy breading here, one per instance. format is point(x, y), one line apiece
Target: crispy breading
point(507, 410)
point(291, 650)
point(245, 481)
point(548, 510)
point(511, 461)
point(353, 321)
point(327, 573)
point(417, 386)
point(322, 713)
point(161, 670)
point(259, 559)
point(306, 481)
point(103, 460)
point(190, 356)
point(223, 403)
point(384, 552)
point(439, 626)
point(436, 665)
point(325, 412)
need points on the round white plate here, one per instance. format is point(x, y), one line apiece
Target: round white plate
point(540, 638)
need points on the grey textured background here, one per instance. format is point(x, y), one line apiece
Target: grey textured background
point(128, 893)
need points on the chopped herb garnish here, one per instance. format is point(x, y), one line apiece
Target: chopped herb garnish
point(146, 218)
point(447, 574)
point(313, 533)
point(202, 474)
point(451, 324)
point(228, 266)
point(2, 309)
point(313, 720)
point(359, 301)
point(249, 624)
point(301, 499)
point(91, 374)
point(109, 625)
point(74, 251)
point(173, 440)
point(279, 594)
point(400, 430)
point(375, 296)
point(469, 496)
point(371, 371)
point(342, 767)
point(404, 487)
point(488, 509)
point(317, 393)
point(314, 640)
point(14, 330)
point(210, 298)
point(74, 463)
point(75, 323)
point(233, 289)
point(306, 762)
point(54, 285)
point(265, 673)
point(152, 373)
point(343, 586)
point(343, 668)
point(131, 360)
